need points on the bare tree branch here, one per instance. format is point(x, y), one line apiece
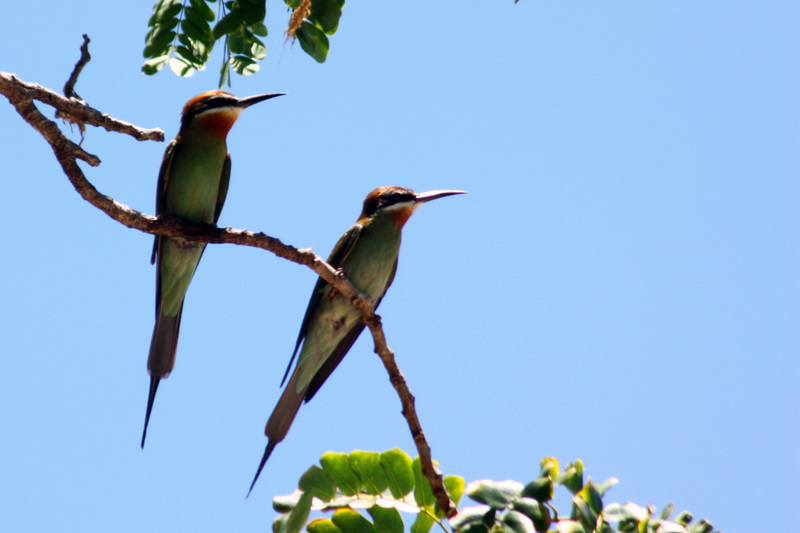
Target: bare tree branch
point(22, 96)
point(18, 92)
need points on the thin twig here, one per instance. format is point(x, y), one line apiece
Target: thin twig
point(373, 321)
point(21, 96)
point(69, 87)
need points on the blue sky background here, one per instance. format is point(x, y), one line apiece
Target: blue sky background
point(619, 285)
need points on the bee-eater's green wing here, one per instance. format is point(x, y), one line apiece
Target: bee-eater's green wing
point(223, 186)
point(340, 251)
point(161, 190)
point(342, 348)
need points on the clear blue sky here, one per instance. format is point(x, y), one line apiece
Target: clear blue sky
point(620, 284)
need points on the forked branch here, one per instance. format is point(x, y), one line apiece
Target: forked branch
point(22, 96)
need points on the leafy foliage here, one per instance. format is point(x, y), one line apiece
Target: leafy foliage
point(384, 485)
point(180, 34)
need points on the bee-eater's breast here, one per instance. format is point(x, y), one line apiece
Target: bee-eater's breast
point(194, 180)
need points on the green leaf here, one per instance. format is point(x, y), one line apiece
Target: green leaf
point(586, 514)
point(684, 517)
point(152, 66)
point(195, 25)
point(533, 509)
point(299, 515)
point(236, 42)
point(162, 26)
point(253, 11)
point(284, 504)
point(258, 29)
point(475, 528)
point(548, 467)
point(665, 526)
point(186, 41)
point(258, 51)
point(610, 482)
point(616, 512)
point(203, 10)
point(703, 526)
point(590, 493)
point(322, 525)
point(422, 524)
point(313, 41)
point(497, 494)
point(158, 41)
point(367, 465)
point(540, 489)
point(350, 521)
point(196, 36)
point(292, 3)
point(570, 526)
point(423, 494)
point(469, 516)
point(605, 528)
point(198, 27)
point(399, 472)
point(164, 10)
point(489, 518)
point(316, 482)
point(628, 526)
point(244, 66)
point(337, 468)
point(180, 67)
point(279, 524)
point(386, 520)
point(516, 522)
point(572, 477)
point(665, 512)
point(454, 485)
point(230, 23)
point(187, 56)
point(202, 52)
point(325, 14)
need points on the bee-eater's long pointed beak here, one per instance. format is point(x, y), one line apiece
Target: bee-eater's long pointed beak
point(250, 100)
point(433, 195)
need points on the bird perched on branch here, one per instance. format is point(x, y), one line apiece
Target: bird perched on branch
point(192, 185)
point(367, 255)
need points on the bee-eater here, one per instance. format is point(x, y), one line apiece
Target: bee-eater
point(192, 185)
point(367, 255)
